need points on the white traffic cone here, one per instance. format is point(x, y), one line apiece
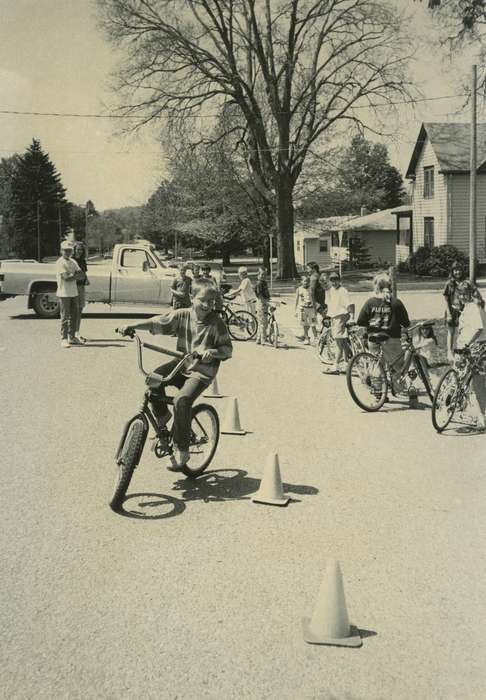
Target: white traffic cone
point(231, 422)
point(329, 623)
point(271, 489)
point(212, 392)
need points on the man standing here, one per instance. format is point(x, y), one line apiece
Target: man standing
point(340, 310)
point(181, 289)
point(67, 274)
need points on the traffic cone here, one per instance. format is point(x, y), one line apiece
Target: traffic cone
point(212, 391)
point(329, 623)
point(231, 422)
point(271, 489)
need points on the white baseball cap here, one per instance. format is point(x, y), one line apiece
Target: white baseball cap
point(67, 245)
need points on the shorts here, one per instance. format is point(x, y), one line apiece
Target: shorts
point(338, 326)
point(307, 316)
point(453, 321)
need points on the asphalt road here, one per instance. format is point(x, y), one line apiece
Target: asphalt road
point(198, 592)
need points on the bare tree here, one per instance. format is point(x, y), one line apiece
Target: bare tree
point(294, 69)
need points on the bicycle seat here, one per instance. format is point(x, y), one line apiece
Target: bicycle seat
point(154, 380)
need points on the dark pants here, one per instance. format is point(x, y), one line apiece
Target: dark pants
point(189, 389)
point(69, 316)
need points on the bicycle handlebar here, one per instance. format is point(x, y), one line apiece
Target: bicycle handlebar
point(165, 351)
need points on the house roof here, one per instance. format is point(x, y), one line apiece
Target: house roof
point(451, 144)
point(377, 221)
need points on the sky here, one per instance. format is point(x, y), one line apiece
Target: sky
point(53, 58)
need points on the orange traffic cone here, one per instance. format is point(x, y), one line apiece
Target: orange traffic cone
point(329, 623)
point(271, 489)
point(212, 391)
point(231, 422)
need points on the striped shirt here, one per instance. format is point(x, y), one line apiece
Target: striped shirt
point(196, 336)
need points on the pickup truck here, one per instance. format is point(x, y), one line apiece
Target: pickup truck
point(135, 275)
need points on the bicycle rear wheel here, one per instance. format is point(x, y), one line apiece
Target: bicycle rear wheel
point(367, 381)
point(326, 347)
point(272, 335)
point(242, 325)
point(445, 401)
point(204, 439)
point(128, 457)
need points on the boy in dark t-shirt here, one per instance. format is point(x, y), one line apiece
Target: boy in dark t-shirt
point(384, 316)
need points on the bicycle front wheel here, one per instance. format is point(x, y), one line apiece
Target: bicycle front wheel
point(204, 439)
point(326, 348)
point(367, 381)
point(445, 400)
point(128, 457)
point(242, 325)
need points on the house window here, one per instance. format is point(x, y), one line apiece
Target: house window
point(335, 240)
point(298, 246)
point(323, 245)
point(429, 182)
point(428, 232)
point(404, 231)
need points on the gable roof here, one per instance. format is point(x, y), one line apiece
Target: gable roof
point(377, 221)
point(451, 144)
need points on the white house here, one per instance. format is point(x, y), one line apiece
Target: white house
point(326, 240)
point(439, 171)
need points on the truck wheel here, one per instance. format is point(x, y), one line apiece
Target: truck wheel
point(46, 304)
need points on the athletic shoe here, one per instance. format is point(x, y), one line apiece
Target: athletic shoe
point(65, 343)
point(74, 341)
point(180, 459)
point(80, 338)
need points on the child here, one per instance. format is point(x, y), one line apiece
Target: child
point(181, 289)
point(200, 329)
point(206, 274)
point(263, 299)
point(304, 309)
point(79, 255)
point(472, 332)
point(339, 309)
point(453, 307)
point(244, 291)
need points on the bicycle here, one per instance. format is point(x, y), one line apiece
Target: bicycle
point(242, 325)
point(204, 434)
point(326, 344)
point(273, 333)
point(453, 391)
point(369, 376)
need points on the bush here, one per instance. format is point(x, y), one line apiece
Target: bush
point(437, 261)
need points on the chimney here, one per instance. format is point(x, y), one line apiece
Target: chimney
point(364, 211)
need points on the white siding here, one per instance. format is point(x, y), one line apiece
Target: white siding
point(459, 214)
point(299, 249)
point(435, 206)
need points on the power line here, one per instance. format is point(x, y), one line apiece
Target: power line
point(204, 116)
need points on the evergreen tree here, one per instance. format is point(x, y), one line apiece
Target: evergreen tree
point(41, 213)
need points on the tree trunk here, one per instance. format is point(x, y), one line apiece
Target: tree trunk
point(285, 228)
point(225, 253)
point(266, 254)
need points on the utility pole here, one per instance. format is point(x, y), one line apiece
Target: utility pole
point(38, 232)
point(472, 178)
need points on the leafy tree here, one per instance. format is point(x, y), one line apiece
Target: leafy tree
point(40, 212)
point(360, 175)
point(8, 168)
point(293, 70)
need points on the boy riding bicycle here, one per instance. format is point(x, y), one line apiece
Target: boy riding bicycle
point(198, 329)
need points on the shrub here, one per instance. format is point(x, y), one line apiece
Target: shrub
point(437, 261)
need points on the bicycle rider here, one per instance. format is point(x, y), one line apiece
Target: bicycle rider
point(472, 333)
point(198, 329)
point(384, 316)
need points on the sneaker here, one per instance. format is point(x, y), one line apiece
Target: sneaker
point(74, 341)
point(65, 343)
point(80, 338)
point(307, 341)
point(180, 459)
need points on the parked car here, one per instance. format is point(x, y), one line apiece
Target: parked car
point(135, 276)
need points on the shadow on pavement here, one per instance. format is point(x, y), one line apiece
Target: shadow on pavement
point(229, 484)
point(99, 344)
point(151, 506)
point(366, 633)
point(87, 316)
